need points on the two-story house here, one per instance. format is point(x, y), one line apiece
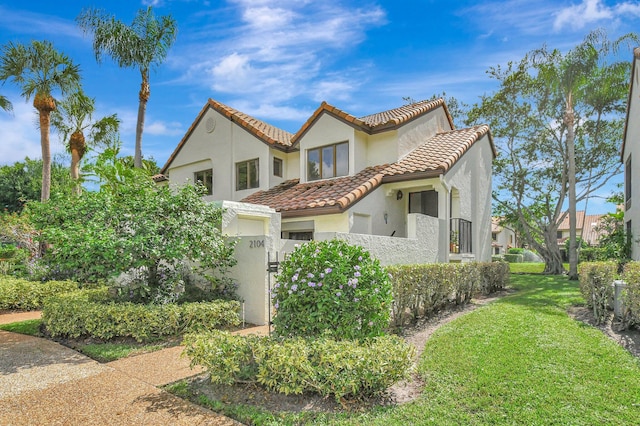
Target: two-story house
point(401, 174)
point(630, 157)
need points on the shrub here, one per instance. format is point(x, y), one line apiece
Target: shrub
point(494, 276)
point(515, 250)
point(331, 287)
point(17, 293)
point(513, 258)
point(595, 285)
point(339, 368)
point(631, 298)
point(93, 313)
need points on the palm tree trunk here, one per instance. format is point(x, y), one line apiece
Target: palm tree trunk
point(77, 146)
point(45, 104)
point(144, 94)
point(571, 154)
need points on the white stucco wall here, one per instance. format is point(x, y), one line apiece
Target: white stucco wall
point(220, 150)
point(413, 134)
point(632, 148)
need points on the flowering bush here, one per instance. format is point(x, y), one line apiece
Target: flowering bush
point(331, 288)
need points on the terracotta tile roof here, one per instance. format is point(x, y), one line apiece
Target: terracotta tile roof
point(438, 154)
point(590, 231)
point(323, 196)
point(377, 122)
point(263, 131)
point(292, 198)
point(159, 178)
point(564, 225)
point(267, 133)
point(401, 114)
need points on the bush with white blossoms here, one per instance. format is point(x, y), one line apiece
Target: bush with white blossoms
point(333, 289)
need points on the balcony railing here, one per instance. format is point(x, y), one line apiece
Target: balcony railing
point(460, 238)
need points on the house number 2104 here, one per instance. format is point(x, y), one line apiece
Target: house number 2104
point(256, 243)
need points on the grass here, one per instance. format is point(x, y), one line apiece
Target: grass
point(520, 360)
point(29, 327)
point(530, 268)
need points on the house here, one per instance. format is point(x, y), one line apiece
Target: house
point(502, 237)
point(630, 157)
point(588, 228)
point(385, 180)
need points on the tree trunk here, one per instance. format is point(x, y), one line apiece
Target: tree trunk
point(144, 94)
point(569, 120)
point(551, 253)
point(45, 104)
point(77, 147)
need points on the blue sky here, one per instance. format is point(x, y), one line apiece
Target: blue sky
point(278, 59)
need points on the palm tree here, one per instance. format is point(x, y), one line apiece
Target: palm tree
point(39, 69)
point(72, 118)
point(5, 104)
point(142, 45)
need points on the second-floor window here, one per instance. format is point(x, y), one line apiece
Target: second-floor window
point(494, 236)
point(205, 177)
point(328, 161)
point(247, 175)
point(277, 166)
point(627, 183)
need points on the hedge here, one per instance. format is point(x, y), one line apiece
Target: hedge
point(92, 313)
point(419, 290)
point(631, 298)
point(343, 369)
point(20, 294)
point(596, 279)
point(513, 258)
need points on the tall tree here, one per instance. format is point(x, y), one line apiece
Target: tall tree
point(21, 182)
point(550, 132)
point(73, 117)
point(142, 45)
point(39, 70)
point(583, 77)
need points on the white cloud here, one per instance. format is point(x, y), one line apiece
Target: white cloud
point(277, 49)
point(20, 135)
point(40, 25)
point(162, 128)
point(583, 14)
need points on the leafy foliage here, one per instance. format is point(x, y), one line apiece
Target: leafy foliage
point(21, 182)
point(131, 225)
point(631, 297)
point(596, 279)
point(547, 103)
point(16, 293)
point(331, 288)
point(339, 368)
point(93, 313)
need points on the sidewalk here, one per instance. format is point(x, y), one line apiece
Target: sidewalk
point(42, 382)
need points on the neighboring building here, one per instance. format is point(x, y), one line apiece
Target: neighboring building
point(631, 159)
point(588, 229)
point(402, 174)
point(502, 237)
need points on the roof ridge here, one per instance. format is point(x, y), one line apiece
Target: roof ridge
point(247, 121)
point(405, 112)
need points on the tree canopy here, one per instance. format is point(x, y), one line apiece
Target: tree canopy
point(555, 118)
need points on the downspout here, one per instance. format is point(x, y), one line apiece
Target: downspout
point(447, 209)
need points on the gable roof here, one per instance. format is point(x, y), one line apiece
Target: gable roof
point(378, 122)
point(436, 156)
point(285, 141)
point(265, 132)
point(636, 58)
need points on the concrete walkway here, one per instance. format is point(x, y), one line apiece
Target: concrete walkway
point(42, 382)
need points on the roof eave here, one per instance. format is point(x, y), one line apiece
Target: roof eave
point(636, 58)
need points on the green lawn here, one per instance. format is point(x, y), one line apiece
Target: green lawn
point(530, 268)
point(520, 360)
point(30, 327)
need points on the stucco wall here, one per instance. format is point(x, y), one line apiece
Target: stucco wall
point(632, 148)
point(423, 248)
point(413, 134)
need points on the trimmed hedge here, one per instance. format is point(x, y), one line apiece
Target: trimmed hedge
point(595, 285)
point(420, 290)
point(345, 368)
point(631, 298)
point(92, 313)
point(16, 293)
point(513, 258)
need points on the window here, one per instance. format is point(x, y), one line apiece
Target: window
point(247, 175)
point(328, 161)
point(205, 177)
point(494, 236)
point(627, 184)
point(301, 236)
point(559, 235)
point(425, 202)
point(277, 166)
